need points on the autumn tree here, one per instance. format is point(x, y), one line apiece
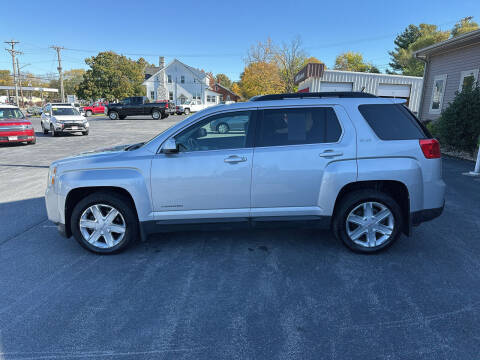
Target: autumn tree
point(5, 78)
point(71, 80)
point(261, 78)
point(236, 88)
point(352, 61)
point(112, 76)
point(464, 26)
point(223, 80)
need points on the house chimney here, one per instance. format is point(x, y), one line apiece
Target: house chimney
point(161, 62)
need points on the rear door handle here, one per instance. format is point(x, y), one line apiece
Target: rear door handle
point(233, 159)
point(330, 153)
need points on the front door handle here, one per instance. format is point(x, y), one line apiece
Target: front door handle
point(233, 159)
point(330, 153)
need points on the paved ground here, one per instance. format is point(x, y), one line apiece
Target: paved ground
point(237, 295)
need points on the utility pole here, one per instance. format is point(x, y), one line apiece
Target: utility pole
point(59, 68)
point(14, 52)
point(20, 84)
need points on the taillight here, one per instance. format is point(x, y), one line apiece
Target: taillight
point(166, 106)
point(430, 148)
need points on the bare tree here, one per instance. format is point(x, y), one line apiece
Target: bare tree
point(261, 52)
point(290, 57)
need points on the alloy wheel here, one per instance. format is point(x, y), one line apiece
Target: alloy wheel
point(370, 224)
point(102, 226)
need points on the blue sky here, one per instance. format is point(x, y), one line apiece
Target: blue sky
point(212, 35)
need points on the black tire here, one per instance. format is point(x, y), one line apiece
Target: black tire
point(53, 133)
point(88, 113)
point(113, 115)
point(119, 202)
point(350, 202)
point(122, 117)
point(164, 116)
point(85, 132)
point(186, 111)
point(223, 128)
point(45, 131)
point(156, 114)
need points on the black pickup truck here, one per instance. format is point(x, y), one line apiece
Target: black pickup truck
point(137, 105)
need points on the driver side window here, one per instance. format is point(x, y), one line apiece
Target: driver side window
point(218, 132)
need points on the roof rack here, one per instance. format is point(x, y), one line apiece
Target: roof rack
point(339, 94)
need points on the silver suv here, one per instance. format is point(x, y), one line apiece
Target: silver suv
point(359, 164)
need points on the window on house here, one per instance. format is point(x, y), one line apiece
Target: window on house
point(169, 79)
point(438, 91)
point(152, 95)
point(170, 95)
point(208, 98)
point(182, 79)
point(468, 78)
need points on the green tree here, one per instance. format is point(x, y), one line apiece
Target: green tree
point(112, 76)
point(402, 42)
point(459, 125)
point(223, 80)
point(463, 26)
point(352, 61)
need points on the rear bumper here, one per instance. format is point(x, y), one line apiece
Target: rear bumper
point(426, 215)
point(17, 136)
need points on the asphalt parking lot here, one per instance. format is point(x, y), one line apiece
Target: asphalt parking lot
point(269, 294)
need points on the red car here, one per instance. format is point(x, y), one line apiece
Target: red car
point(95, 108)
point(14, 127)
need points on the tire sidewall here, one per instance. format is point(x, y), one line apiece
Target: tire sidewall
point(116, 201)
point(353, 200)
point(156, 114)
point(115, 115)
point(88, 113)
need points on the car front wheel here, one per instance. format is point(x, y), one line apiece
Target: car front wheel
point(368, 221)
point(88, 113)
point(104, 223)
point(186, 111)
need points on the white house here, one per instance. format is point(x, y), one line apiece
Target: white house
point(179, 82)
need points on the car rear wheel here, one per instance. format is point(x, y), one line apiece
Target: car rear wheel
point(104, 223)
point(113, 115)
point(368, 221)
point(88, 113)
point(186, 111)
point(156, 114)
point(222, 128)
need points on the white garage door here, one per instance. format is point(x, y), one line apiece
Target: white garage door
point(336, 86)
point(392, 90)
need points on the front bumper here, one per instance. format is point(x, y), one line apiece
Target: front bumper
point(71, 127)
point(17, 136)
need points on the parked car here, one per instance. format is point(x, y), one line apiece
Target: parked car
point(59, 118)
point(14, 127)
point(191, 106)
point(136, 105)
point(234, 123)
point(79, 108)
point(357, 163)
point(95, 108)
point(34, 110)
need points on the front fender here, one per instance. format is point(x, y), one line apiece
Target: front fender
point(130, 179)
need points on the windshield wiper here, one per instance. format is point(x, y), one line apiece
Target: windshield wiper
point(134, 146)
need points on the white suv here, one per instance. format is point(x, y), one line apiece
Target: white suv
point(58, 118)
point(354, 162)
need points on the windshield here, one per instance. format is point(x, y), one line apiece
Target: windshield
point(65, 111)
point(7, 113)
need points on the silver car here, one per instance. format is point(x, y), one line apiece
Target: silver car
point(361, 165)
point(60, 118)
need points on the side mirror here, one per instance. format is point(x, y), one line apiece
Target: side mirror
point(170, 146)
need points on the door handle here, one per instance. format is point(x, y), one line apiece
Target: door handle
point(233, 159)
point(330, 153)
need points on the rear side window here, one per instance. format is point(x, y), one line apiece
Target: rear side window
point(298, 126)
point(392, 122)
